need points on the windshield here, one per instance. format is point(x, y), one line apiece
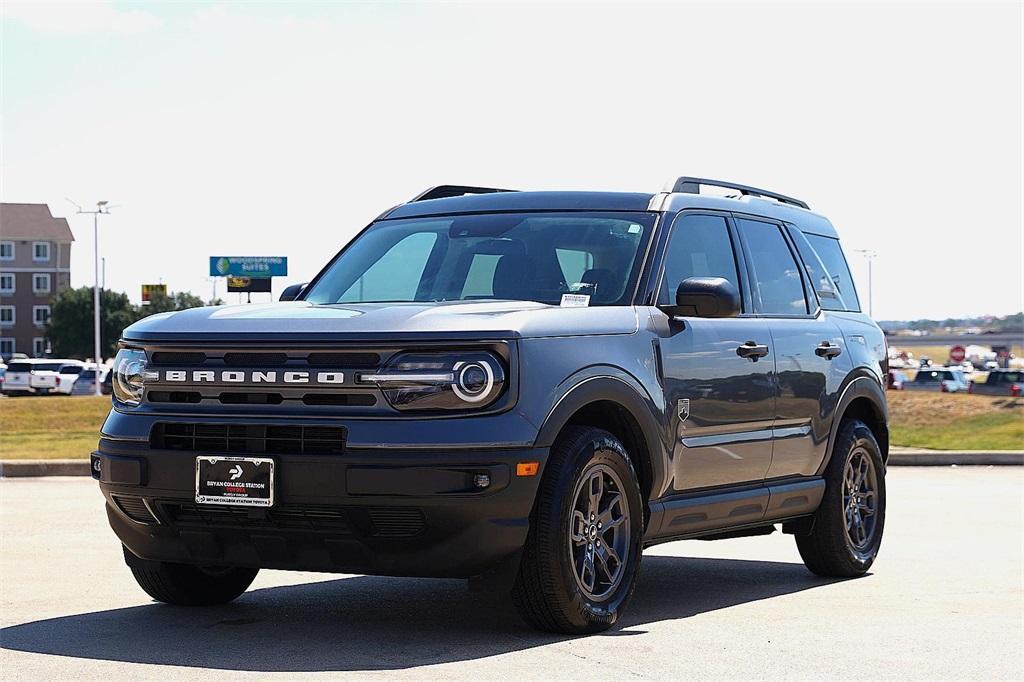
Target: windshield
point(511, 256)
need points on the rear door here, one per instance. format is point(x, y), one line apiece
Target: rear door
point(720, 396)
point(810, 358)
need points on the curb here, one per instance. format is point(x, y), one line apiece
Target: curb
point(20, 468)
point(933, 458)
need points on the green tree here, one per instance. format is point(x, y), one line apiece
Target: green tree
point(71, 322)
point(165, 303)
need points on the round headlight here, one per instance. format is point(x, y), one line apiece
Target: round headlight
point(129, 373)
point(473, 380)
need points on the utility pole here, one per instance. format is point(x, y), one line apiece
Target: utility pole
point(101, 209)
point(870, 256)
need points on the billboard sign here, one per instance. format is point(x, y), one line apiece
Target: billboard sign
point(149, 289)
point(250, 284)
point(248, 266)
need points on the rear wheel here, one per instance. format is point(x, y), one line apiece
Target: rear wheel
point(185, 585)
point(847, 528)
point(581, 558)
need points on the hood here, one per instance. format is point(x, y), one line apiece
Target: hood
point(455, 320)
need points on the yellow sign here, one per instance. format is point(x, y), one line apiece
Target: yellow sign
point(149, 289)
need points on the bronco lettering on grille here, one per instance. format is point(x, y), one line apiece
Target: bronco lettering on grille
point(252, 377)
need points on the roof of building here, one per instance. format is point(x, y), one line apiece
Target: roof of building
point(33, 221)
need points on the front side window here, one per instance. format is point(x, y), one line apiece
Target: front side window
point(41, 283)
point(700, 246)
point(779, 285)
point(41, 251)
point(501, 256)
point(6, 250)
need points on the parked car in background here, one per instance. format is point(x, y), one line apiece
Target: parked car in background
point(1006, 382)
point(31, 376)
point(67, 375)
point(3, 371)
point(945, 379)
point(85, 384)
point(896, 380)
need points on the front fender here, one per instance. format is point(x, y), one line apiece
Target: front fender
point(609, 383)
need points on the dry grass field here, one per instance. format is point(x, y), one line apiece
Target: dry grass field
point(67, 427)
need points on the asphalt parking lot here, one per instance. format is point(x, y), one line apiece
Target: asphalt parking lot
point(944, 600)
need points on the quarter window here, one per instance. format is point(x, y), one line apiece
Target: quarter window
point(699, 247)
point(831, 255)
point(779, 286)
point(40, 251)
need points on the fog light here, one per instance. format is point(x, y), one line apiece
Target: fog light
point(481, 480)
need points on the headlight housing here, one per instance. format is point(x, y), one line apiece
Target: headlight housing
point(440, 381)
point(130, 371)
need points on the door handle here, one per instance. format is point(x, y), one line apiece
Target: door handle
point(827, 350)
point(752, 351)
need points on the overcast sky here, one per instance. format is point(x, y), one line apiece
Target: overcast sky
point(246, 129)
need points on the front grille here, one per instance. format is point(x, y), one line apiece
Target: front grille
point(255, 359)
point(256, 439)
point(385, 522)
point(165, 357)
point(317, 518)
point(134, 508)
point(322, 359)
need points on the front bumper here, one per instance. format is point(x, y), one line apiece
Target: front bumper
point(381, 512)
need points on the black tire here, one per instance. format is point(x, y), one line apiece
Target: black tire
point(833, 548)
point(548, 592)
point(184, 585)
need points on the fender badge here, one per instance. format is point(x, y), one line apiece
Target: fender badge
point(684, 409)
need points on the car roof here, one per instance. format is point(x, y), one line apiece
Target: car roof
point(807, 221)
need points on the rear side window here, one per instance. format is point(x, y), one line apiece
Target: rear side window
point(780, 286)
point(699, 247)
point(71, 369)
point(831, 255)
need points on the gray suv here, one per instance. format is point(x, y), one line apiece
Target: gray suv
point(524, 389)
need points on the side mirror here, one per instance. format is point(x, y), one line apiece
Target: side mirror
point(291, 293)
point(705, 297)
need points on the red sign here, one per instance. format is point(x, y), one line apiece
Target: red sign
point(957, 353)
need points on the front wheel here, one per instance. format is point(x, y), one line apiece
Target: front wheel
point(580, 563)
point(847, 528)
point(185, 585)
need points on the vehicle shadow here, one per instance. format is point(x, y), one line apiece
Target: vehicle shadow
point(372, 623)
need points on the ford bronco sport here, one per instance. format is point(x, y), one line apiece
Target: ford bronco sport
point(524, 389)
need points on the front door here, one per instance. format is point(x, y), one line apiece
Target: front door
point(718, 373)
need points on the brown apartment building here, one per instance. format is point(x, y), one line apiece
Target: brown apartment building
point(35, 263)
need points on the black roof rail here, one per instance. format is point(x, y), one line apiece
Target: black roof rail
point(445, 191)
point(688, 185)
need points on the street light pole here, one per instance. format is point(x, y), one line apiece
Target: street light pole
point(101, 209)
point(869, 255)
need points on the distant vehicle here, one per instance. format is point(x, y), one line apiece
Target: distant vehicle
point(897, 380)
point(945, 379)
point(32, 376)
point(1000, 382)
point(86, 382)
point(108, 384)
point(3, 371)
point(67, 375)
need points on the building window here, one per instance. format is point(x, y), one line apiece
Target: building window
point(40, 315)
point(38, 346)
point(6, 250)
point(6, 347)
point(6, 282)
point(7, 315)
point(40, 251)
point(41, 283)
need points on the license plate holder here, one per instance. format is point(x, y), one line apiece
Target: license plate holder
point(237, 481)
